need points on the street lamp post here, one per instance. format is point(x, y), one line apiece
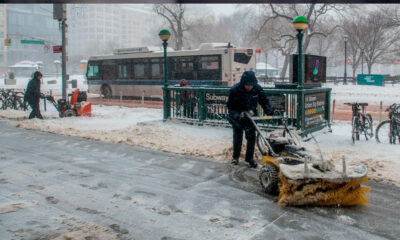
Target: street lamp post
point(164, 36)
point(362, 61)
point(300, 23)
point(345, 59)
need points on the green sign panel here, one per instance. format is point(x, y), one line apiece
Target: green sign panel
point(314, 110)
point(370, 79)
point(32, 42)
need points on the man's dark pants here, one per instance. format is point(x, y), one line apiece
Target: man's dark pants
point(238, 127)
point(35, 110)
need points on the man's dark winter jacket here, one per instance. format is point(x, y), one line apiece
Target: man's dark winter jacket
point(32, 93)
point(239, 100)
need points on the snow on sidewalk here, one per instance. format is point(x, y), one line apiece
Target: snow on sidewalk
point(144, 127)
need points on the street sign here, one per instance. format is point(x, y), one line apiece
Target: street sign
point(32, 42)
point(57, 49)
point(370, 79)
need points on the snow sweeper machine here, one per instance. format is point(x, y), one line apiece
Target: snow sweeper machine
point(77, 106)
point(303, 177)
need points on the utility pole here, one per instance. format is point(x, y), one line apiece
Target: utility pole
point(345, 59)
point(63, 60)
point(60, 13)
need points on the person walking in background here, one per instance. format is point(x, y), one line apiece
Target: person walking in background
point(187, 100)
point(244, 97)
point(33, 95)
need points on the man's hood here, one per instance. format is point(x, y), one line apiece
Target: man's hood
point(248, 78)
point(37, 74)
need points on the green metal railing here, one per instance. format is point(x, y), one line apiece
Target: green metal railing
point(308, 110)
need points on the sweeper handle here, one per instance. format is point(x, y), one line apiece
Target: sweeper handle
point(51, 99)
point(247, 114)
point(267, 117)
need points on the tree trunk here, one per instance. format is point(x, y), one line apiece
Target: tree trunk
point(369, 65)
point(285, 65)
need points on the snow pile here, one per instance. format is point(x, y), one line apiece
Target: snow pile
point(14, 114)
point(135, 126)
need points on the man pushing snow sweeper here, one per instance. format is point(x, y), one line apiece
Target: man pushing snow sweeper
point(299, 176)
point(244, 97)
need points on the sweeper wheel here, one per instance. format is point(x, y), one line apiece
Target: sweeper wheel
point(69, 113)
point(269, 179)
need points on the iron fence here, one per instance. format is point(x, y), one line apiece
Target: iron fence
point(207, 105)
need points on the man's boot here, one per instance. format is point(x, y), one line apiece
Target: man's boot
point(235, 161)
point(252, 163)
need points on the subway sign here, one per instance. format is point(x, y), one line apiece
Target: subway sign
point(277, 101)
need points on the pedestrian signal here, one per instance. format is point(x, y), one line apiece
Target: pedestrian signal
point(7, 42)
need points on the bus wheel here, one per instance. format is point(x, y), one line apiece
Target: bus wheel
point(106, 91)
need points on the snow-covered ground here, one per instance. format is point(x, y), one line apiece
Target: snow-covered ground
point(144, 127)
point(362, 93)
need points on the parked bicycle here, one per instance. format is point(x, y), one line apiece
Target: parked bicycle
point(388, 131)
point(361, 122)
point(11, 99)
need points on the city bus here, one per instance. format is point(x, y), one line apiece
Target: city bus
point(139, 72)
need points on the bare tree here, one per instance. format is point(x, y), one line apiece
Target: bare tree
point(352, 28)
point(224, 29)
point(377, 36)
point(282, 35)
point(174, 14)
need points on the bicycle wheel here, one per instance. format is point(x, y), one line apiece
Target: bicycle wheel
point(368, 126)
point(22, 105)
point(355, 133)
point(384, 133)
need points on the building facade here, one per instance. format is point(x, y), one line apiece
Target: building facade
point(100, 28)
point(92, 29)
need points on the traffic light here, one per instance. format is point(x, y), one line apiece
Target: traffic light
point(7, 42)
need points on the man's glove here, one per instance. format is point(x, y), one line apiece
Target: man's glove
point(42, 95)
point(50, 98)
point(269, 112)
point(243, 114)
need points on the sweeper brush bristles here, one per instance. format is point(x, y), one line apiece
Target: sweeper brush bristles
point(322, 193)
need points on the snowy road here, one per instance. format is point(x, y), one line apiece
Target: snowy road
point(62, 187)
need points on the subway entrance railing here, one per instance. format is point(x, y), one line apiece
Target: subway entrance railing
point(307, 110)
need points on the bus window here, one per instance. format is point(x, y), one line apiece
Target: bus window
point(93, 70)
point(123, 71)
point(209, 63)
point(109, 70)
point(155, 68)
point(183, 68)
point(209, 68)
point(242, 58)
point(138, 69)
